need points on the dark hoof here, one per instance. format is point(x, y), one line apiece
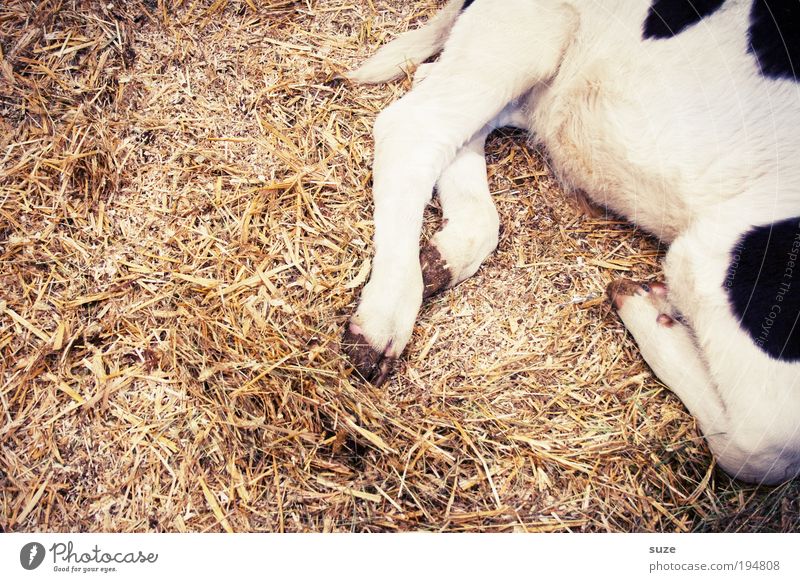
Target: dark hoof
point(372, 365)
point(619, 289)
point(436, 275)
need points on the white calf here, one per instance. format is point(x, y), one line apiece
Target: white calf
point(682, 116)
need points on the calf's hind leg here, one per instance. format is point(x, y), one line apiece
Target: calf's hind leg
point(746, 448)
point(667, 346)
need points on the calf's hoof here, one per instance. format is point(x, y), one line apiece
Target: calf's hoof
point(373, 365)
point(436, 275)
point(621, 291)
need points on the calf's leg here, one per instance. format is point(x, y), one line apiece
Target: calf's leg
point(496, 51)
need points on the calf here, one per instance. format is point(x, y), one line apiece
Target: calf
point(684, 117)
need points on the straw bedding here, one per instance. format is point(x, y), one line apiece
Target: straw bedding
point(185, 224)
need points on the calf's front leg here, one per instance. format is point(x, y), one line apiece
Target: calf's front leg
point(496, 51)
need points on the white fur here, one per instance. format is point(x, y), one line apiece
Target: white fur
point(410, 49)
point(683, 137)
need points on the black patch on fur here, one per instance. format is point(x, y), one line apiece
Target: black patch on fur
point(666, 18)
point(763, 286)
point(466, 4)
point(774, 36)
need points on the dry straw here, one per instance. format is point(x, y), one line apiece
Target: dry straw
point(185, 224)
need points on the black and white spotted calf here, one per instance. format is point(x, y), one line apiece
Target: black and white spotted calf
point(683, 116)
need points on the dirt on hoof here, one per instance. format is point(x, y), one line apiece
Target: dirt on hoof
point(618, 289)
point(371, 364)
point(436, 275)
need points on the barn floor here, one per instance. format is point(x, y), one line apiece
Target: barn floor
point(185, 224)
